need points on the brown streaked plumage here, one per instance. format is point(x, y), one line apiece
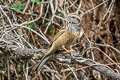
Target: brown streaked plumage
point(63, 41)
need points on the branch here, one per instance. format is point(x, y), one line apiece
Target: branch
point(94, 65)
point(29, 53)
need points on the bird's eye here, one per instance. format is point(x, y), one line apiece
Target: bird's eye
point(73, 22)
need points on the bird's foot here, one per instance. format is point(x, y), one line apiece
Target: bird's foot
point(68, 51)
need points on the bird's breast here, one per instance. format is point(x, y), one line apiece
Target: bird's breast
point(65, 39)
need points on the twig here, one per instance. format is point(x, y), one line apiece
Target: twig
point(26, 6)
point(53, 13)
point(94, 7)
point(46, 13)
point(73, 72)
point(94, 65)
point(6, 16)
point(8, 68)
point(33, 31)
point(108, 11)
point(26, 75)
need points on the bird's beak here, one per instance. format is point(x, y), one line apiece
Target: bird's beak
point(80, 34)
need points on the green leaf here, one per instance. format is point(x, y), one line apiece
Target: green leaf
point(32, 25)
point(2, 64)
point(18, 6)
point(36, 1)
point(52, 30)
point(19, 69)
point(0, 72)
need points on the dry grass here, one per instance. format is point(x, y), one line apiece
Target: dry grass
point(34, 28)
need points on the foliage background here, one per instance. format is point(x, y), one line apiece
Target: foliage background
point(33, 24)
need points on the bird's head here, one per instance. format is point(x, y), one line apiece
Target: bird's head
point(74, 24)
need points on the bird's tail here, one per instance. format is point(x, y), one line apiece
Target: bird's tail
point(42, 62)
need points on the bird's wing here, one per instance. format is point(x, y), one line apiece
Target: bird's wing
point(58, 35)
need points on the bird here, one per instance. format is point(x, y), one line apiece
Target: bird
point(63, 39)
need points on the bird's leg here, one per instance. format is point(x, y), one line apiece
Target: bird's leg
point(68, 51)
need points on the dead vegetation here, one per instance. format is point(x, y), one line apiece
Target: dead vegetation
point(27, 28)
